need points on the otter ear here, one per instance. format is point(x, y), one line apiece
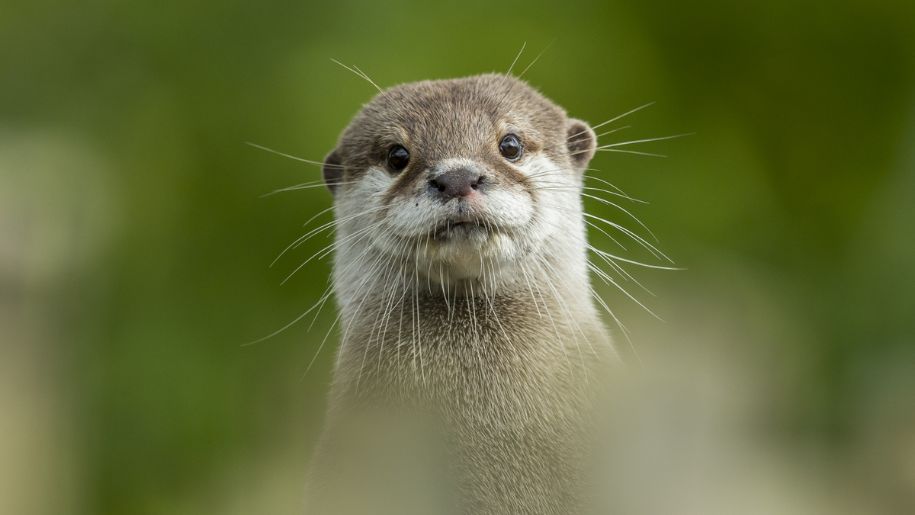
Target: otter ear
point(332, 170)
point(582, 143)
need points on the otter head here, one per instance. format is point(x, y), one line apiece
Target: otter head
point(460, 178)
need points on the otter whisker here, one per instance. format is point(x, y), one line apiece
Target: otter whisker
point(577, 189)
point(616, 267)
point(638, 239)
point(319, 304)
point(631, 261)
point(618, 192)
point(321, 345)
point(290, 156)
point(299, 239)
point(418, 348)
point(645, 140)
point(611, 131)
point(362, 233)
point(321, 307)
point(400, 340)
point(366, 77)
point(641, 241)
point(609, 280)
point(623, 273)
point(319, 213)
point(375, 327)
point(398, 256)
point(513, 85)
point(389, 309)
point(623, 329)
point(323, 227)
point(306, 186)
point(610, 258)
point(611, 120)
point(619, 270)
point(605, 233)
point(621, 151)
point(568, 315)
point(474, 324)
point(355, 69)
point(615, 194)
point(608, 183)
point(624, 210)
point(288, 325)
point(549, 314)
point(354, 318)
point(528, 67)
point(518, 56)
point(441, 282)
point(527, 280)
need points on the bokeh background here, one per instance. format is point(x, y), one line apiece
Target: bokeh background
point(135, 244)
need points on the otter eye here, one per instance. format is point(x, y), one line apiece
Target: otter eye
point(398, 158)
point(510, 147)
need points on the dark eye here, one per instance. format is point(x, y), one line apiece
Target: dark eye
point(510, 147)
point(398, 158)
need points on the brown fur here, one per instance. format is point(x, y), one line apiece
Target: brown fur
point(505, 375)
point(451, 118)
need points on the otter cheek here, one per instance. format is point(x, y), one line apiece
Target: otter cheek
point(507, 207)
point(358, 205)
point(413, 215)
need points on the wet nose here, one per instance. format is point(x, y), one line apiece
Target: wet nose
point(456, 183)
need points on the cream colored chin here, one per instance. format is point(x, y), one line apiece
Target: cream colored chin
point(456, 270)
point(468, 258)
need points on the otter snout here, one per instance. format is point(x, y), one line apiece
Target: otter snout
point(456, 183)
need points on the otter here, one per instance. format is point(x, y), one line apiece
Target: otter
point(462, 282)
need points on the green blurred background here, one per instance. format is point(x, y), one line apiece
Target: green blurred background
point(134, 241)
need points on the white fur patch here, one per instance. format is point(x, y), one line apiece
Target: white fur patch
point(517, 221)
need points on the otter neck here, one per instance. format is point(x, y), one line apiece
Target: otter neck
point(514, 331)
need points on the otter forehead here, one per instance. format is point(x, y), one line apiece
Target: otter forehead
point(453, 118)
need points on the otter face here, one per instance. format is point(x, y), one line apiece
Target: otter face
point(450, 174)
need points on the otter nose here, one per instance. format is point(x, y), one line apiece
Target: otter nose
point(456, 183)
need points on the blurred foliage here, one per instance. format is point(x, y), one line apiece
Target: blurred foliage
point(137, 242)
